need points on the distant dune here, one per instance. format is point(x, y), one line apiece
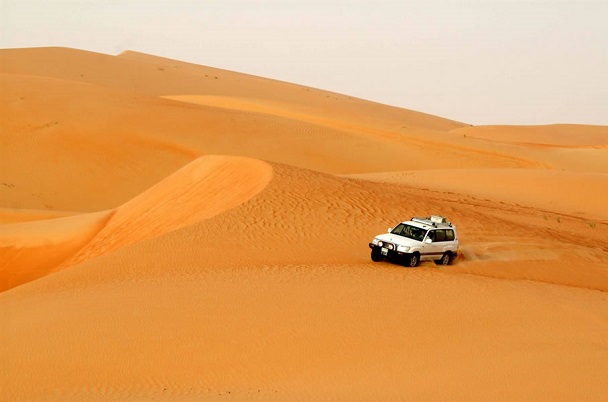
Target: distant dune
point(171, 231)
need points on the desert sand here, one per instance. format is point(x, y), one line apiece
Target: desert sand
point(171, 231)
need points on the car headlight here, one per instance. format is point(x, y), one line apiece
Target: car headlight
point(390, 246)
point(403, 249)
point(380, 243)
point(375, 241)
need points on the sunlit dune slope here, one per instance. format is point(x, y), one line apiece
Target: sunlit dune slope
point(358, 136)
point(571, 193)
point(108, 134)
point(203, 188)
point(561, 146)
point(276, 299)
point(170, 231)
point(306, 217)
point(152, 75)
point(78, 136)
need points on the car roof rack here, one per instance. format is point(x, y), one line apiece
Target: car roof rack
point(432, 220)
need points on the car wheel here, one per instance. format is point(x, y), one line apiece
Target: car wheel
point(376, 256)
point(446, 258)
point(414, 260)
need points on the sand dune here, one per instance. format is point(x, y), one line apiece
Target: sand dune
point(12, 215)
point(581, 194)
point(201, 189)
point(31, 250)
point(171, 231)
point(558, 135)
point(151, 75)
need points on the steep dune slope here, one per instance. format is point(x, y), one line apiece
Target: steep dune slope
point(201, 189)
point(31, 250)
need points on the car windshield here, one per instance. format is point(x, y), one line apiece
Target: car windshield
point(409, 231)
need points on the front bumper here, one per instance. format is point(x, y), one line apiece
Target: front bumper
point(388, 253)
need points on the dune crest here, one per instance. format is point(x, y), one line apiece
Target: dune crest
point(556, 135)
point(205, 187)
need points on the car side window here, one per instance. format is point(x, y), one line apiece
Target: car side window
point(440, 235)
point(449, 235)
point(417, 233)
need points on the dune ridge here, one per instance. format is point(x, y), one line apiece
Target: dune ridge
point(555, 135)
point(172, 231)
point(203, 188)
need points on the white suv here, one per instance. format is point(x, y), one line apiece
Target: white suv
point(419, 239)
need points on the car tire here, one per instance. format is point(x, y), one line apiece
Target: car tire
point(446, 259)
point(413, 260)
point(376, 256)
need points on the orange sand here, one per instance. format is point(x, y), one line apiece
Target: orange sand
point(171, 232)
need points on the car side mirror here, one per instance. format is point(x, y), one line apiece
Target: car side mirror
point(428, 240)
point(390, 229)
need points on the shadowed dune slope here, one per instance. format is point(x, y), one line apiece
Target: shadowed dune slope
point(31, 250)
point(16, 215)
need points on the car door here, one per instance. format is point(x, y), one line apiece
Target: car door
point(434, 249)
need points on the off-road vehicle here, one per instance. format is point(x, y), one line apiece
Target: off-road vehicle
point(419, 239)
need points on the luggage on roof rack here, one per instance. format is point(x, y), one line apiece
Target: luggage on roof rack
point(438, 219)
point(432, 220)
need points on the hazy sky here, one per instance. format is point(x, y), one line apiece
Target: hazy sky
point(476, 61)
